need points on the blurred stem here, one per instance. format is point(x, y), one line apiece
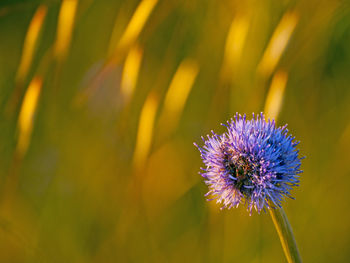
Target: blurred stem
point(285, 233)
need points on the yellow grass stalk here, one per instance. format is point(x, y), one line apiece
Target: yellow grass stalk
point(136, 24)
point(65, 28)
point(278, 43)
point(26, 116)
point(30, 43)
point(179, 90)
point(131, 71)
point(275, 95)
point(235, 41)
point(145, 130)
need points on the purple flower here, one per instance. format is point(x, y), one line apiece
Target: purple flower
point(254, 163)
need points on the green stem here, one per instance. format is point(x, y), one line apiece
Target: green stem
point(285, 233)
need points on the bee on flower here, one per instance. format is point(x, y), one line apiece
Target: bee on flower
point(254, 163)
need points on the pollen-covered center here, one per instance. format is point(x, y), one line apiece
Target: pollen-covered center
point(240, 173)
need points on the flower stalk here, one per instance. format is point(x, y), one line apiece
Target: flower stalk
point(257, 164)
point(285, 234)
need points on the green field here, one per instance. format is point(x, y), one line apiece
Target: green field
point(100, 104)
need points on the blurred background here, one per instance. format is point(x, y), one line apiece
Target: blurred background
point(101, 102)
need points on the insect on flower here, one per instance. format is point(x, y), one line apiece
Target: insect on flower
point(253, 162)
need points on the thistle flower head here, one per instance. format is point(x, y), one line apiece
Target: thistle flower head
point(254, 163)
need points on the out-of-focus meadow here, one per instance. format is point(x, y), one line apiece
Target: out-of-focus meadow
point(101, 102)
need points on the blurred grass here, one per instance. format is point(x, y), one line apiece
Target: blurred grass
point(108, 171)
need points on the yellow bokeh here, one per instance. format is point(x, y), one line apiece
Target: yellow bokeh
point(30, 42)
point(131, 71)
point(177, 94)
point(137, 23)
point(145, 130)
point(26, 115)
point(278, 43)
point(65, 27)
point(275, 95)
point(235, 42)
